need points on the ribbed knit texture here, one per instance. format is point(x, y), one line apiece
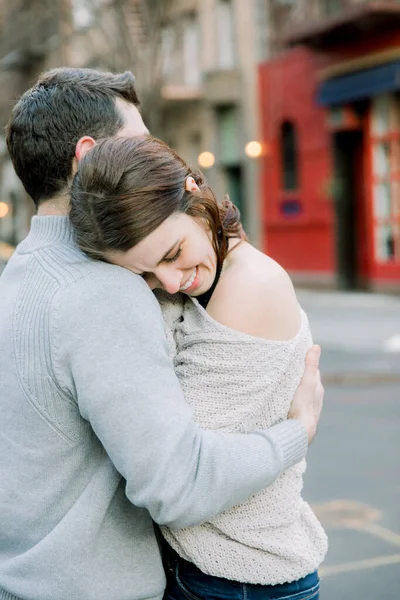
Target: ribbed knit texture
point(240, 383)
point(96, 438)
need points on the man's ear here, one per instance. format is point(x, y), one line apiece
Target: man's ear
point(83, 146)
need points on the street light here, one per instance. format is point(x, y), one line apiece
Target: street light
point(206, 160)
point(253, 149)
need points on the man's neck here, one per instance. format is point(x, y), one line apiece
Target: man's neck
point(55, 207)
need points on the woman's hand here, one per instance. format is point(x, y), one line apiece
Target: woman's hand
point(307, 402)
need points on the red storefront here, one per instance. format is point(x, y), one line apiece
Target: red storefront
point(330, 109)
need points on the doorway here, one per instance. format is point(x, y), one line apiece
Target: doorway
point(234, 180)
point(348, 177)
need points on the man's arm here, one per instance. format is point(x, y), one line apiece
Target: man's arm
point(112, 333)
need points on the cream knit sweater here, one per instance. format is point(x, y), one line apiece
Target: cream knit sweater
point(236, 382)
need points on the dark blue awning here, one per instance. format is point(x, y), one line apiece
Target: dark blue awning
point(360, 85)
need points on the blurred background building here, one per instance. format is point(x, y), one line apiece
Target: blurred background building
point(290, 106)
point(331, 125)
point(293, 108)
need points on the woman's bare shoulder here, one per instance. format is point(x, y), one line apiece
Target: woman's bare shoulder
point(255, 295)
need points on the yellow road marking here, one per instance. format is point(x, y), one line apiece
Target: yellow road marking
point(359, 565)
point(353, 515)
point(381, 532)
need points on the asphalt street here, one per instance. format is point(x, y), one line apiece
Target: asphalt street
point(353, 475)
point(359, 334)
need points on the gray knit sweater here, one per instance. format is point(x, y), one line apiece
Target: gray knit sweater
point(96, 438)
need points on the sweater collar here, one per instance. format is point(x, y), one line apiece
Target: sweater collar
point(48, 231)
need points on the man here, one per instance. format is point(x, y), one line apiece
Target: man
point(96, 437)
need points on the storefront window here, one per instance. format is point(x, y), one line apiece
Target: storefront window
point(386, 176)
point(381, 115)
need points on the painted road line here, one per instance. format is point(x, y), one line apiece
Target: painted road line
point(379, 531)
point(355, 515)
point(359, 565)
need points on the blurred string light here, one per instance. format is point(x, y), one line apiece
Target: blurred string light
point(206, 160)
point(4, 209)
point(253, 149)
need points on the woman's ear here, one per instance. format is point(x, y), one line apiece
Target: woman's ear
point(191, 185)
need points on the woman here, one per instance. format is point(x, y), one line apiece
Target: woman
point(238, 340)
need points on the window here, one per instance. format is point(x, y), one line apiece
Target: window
point(386, 177)
point(228, 125)
point(191, 52)
point(180, 52)
point(234, 182)
point(225, 35)
point(167, 52)
point(332, 7)
point(229, 154)
point(289, 156)
point(82, 14)
point(85, 12)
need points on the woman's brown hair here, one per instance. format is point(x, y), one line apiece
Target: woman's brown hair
point(126, 187)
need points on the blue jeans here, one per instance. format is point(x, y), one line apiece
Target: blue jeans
point(186, 582)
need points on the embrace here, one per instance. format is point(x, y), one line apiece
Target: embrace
point(159, 388)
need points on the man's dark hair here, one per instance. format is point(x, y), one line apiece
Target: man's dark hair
point(49, 119)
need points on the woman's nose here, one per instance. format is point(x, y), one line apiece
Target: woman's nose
point(170, 280)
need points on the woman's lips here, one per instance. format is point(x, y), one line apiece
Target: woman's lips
point(193, 282)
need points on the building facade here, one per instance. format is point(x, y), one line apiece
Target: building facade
point(29, 41)
point(330, 106)
point(196, 68)
point(210, 111)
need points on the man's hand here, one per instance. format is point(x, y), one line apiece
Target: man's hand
point(307, 402)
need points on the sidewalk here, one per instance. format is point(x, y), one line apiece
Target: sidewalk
point(359, 334)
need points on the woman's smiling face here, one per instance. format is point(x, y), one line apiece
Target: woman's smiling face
point(178, 256)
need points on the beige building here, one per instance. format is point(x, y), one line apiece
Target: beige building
point(31, 40)
point(196, 68)
point(195, 63)
point(210, 98)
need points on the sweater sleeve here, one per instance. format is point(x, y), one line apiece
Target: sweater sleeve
point(110, 338)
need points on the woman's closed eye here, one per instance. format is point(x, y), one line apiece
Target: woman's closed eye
point(173, 258)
